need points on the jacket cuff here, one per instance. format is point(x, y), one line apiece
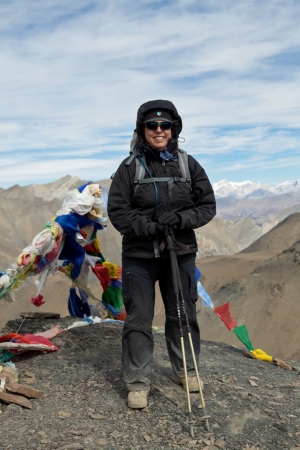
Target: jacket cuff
point(181, 224)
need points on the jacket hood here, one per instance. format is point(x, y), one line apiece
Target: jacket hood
point(158, 104)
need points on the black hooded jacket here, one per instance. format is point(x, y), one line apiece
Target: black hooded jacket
point(132, 212)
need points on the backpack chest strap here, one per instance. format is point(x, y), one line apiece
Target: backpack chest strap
point(169, 180)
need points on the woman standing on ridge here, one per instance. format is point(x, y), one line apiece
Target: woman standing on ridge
point(157, 186)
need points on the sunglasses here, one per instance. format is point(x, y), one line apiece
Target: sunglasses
point(153, 125)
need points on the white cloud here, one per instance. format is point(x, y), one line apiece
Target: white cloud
point(90, 169)
point(74, 73)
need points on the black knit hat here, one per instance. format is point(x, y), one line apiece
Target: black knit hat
point(158, 106)
point(157, 114)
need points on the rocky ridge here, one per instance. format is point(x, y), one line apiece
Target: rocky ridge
point(252, 404)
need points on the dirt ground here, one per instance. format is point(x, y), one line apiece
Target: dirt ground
point(252, 404)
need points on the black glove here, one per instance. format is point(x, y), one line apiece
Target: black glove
point(151, 230)
point(155, 230)
point(160, 229)
point(169, 218)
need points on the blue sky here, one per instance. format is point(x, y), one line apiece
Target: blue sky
point(73, 74)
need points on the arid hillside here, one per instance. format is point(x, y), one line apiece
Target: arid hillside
point(262, 210)
point(282, 236)
point(262, 285)
point(261, 282)
point(25, 210)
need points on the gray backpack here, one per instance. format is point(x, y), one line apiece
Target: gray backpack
point(141, 168)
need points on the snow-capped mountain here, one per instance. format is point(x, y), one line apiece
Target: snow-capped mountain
point(249, 189)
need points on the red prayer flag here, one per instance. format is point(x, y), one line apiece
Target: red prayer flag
point(102, 274)
point(9, 337)
point(223, 312)
point(37, 300)
point(91, 248)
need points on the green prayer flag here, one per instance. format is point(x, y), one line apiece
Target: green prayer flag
point(5, 355)
point(113, 296)
point(242, 334)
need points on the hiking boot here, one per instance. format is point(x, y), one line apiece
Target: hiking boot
point(137, 399)
point(193, 383)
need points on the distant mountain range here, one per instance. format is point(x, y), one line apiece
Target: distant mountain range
point(265, 204)
point(248, 189)
point(25, 210)
point(242, 216)
point(222, 189)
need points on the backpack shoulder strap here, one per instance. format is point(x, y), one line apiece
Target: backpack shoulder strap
point(133, 149)
point(184, 166)
point(140, 171)
point(139, 160)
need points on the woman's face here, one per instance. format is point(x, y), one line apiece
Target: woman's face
point(158, 138)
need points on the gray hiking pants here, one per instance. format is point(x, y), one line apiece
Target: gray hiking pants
point(138, 283)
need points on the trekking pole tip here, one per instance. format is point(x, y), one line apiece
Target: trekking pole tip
point(192, 430)
point(207, 425)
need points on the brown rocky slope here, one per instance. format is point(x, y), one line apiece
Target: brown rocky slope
point(252, 404)
point(262, 285)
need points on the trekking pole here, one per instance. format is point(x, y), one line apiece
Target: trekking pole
point(206, 416)
point(179, 290)
point(176, 291)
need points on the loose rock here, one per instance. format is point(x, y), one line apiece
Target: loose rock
point(241, 417)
